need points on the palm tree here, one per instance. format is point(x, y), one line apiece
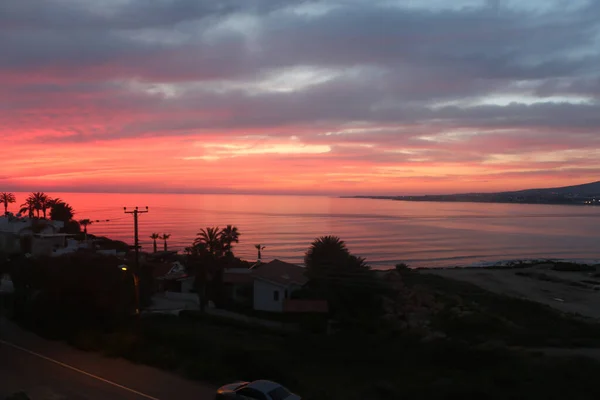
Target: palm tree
point(85, 223)
point(45, 203)
point(38, 201)
point(28, 207)
point(154, 236)
point(350, 287)
point(164, 237)
point(61, 211)
point(42, 202)
point(7, 198)
point(228, 236)
point(53, 201)
point(325, 253)
point(260, 248)
point(209, 238)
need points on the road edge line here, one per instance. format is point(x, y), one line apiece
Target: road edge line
point(33, 353)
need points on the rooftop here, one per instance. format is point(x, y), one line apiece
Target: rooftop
point(280, 272)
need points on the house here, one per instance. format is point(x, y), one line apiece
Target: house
point(173, 277)
point(38, 237)
point(174, 287)
point(269, 286)
point(274, 283)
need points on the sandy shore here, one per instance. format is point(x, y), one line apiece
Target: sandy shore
point(572, 292)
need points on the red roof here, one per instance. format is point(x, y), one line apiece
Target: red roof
point(280, 272)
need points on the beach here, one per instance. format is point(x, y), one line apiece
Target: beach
point(575, 292)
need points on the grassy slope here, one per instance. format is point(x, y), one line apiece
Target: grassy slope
point(383, 366)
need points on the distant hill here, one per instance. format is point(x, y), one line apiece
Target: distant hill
point(586, 194)
point(585, 189)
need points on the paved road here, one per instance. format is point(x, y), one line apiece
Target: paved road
point(48, 370)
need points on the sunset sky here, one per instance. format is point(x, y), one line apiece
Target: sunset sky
point(315, 97)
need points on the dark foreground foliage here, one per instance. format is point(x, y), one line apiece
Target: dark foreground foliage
point(348, 366)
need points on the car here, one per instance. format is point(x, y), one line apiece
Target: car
point(257, 390)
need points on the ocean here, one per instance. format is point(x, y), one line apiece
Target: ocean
point(385, 232)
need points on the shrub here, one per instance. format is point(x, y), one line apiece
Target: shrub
point(402, 267)
point(18, 396)
point(573, 267)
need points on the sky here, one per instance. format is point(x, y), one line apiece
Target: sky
point(311, 97)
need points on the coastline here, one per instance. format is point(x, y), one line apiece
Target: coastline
point(517, 263)
point(439, 199)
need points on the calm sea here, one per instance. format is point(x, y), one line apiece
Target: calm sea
point(384, 232)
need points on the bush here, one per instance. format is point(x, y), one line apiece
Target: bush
point(573, 267)
point(18, 396)
point(402, 267)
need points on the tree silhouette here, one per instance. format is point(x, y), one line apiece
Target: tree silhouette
point(61, 211)
point(154, 236)
point(164, 237)
point(351, 288)
point(85, 223)
point(6, 199)
point(42, 202)
point(228, 236)
point(28, 207)
point(38, 201)
point(259, 248)
point(210, 240)
point(325, 252)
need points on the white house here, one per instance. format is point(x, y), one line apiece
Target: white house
point(274, 283)
point(30, 235)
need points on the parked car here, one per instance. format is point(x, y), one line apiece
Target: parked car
point(257, 390)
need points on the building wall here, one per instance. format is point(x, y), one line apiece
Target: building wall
point(9, 243)
point(13, 229)
point(187, 285)
point(16, 225)
point(13, 225)
point(264, 296)
point(45, 246)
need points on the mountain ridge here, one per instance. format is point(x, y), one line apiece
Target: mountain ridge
point(582, 194)
point(584, 188)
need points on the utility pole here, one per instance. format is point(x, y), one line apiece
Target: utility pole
point(135, 213)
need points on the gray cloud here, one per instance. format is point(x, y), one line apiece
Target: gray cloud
point(69, 15)
point(66, 59)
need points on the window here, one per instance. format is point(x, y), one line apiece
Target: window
point(276, 295)
point(279, 393)
point(252, 393)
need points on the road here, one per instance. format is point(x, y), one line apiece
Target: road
point(48, 370)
